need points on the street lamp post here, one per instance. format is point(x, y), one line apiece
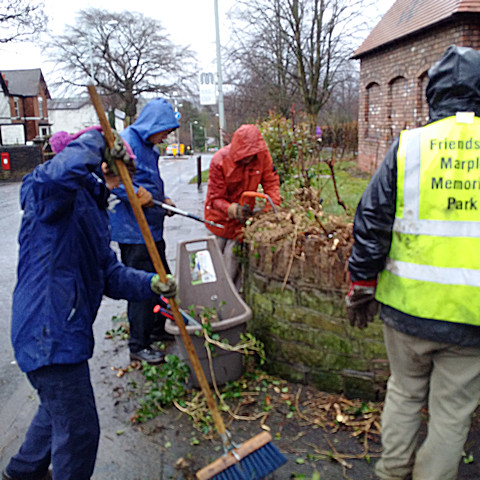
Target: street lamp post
point(205, 137)
point(177, 105)
point(219, 76)
point(192, 148)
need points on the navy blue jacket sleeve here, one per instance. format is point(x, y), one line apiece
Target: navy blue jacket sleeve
point(374, 219)
point(56, 182)
point(126, 282)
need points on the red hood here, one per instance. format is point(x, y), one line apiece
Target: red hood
point(246, 141)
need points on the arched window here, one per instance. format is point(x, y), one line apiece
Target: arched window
point(421, 113)
point(372, 110)
point(400, 106)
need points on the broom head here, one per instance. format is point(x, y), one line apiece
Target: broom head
point(253, 460)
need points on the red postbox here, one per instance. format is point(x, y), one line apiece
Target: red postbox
point(5, 161)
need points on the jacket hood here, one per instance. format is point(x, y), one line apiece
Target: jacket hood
point(246, 141)
point(454, 83)
point(156, 116)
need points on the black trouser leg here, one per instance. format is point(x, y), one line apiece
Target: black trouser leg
point(140, 314)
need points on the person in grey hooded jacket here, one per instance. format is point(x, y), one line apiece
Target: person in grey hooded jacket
point(416, 243)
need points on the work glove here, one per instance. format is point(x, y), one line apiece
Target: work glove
point(361, 304)
point(144, 197)
point(168, 290)
point(239, 212)
point(118, 152)
point(170, 202)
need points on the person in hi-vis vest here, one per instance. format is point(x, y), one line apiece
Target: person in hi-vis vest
point(416, 253)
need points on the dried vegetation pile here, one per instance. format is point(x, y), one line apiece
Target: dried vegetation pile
point(299, 239)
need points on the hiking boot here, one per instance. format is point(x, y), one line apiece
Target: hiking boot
point(47, 476)
point(149, 355)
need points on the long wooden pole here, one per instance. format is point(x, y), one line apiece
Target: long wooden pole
point(157, 262)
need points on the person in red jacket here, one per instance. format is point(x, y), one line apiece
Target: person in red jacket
point(239, 167)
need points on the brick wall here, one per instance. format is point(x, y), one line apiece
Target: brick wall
point(392, 86)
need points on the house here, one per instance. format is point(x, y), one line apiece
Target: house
point(394, 61)
point(74, 114)
point(23, 108)
point(5, 113)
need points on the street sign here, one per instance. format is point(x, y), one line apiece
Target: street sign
point(178, 115)
point(208, 91)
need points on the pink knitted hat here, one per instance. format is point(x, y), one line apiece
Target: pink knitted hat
point(58, 141)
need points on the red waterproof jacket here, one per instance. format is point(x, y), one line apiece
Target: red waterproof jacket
point(229, 178)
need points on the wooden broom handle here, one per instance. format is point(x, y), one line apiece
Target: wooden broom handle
point(157, 262)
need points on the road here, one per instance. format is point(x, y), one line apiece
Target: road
point(18, 400)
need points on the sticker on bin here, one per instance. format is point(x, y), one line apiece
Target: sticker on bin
point(201, 268)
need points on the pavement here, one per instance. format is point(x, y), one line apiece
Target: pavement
point(168, 446)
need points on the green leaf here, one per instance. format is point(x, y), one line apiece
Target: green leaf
point(300, 460)
point(468, 458)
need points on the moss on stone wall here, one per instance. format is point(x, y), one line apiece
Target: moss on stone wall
point(299, 313)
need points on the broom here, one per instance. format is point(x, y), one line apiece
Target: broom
point(253, 459)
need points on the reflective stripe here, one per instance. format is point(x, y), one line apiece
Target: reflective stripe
point(437, 228)
point(411, 184)
point(426, 273)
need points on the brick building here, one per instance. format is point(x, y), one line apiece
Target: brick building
point(27, 94)
point(394, 60)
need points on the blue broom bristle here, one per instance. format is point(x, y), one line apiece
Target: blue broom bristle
point(255, 466)
point(231, 473)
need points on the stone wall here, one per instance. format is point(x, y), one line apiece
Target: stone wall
point(298, 307)
point(23, 159)
point(393, 81)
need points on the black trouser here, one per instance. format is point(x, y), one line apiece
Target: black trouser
point(140, 314)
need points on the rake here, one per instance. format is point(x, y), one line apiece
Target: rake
point(255, 458)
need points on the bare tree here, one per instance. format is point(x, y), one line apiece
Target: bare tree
point(293, 50)
point(126, 54)
point(20, 20)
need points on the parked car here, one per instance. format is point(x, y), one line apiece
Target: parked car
point(173, 149)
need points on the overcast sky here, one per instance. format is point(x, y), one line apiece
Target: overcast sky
point(188, 22)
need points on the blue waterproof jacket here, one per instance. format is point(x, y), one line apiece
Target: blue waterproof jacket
point(156, 116)
point(65, 260)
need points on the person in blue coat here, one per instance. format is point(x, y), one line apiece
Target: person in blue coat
point(154, 123)
point(65, 267)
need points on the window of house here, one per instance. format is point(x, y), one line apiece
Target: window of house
point(40, 107)
point(44, 131)
point(16, 107)
point(372, 112)
point(421, 108)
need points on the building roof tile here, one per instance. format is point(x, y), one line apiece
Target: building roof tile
point(24, 83)
point(409, 16)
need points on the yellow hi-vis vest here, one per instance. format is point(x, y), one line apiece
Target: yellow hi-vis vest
point(433, 267)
